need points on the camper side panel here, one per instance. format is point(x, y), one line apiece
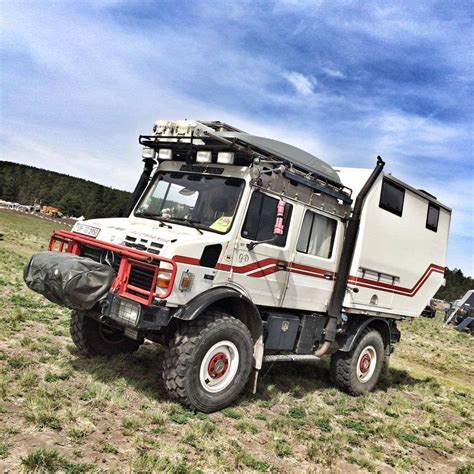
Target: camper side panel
point(399, 259)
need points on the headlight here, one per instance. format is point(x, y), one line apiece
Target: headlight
point(125, 310)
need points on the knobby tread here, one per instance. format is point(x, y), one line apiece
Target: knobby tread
point(77, 335)
point(182, 346)
point(341, 365)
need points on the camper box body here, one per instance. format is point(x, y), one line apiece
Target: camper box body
point(400, 255)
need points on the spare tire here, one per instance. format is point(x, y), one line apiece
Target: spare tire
point(67, 279)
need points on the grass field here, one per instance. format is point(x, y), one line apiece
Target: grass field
point(61, 412)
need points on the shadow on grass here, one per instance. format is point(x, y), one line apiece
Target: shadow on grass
point(299, 378)
point(142, 372)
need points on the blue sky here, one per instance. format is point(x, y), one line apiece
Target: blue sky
point(344, 80)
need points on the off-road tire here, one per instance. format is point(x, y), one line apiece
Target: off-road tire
point(93, 338)
point(343, 367)
point(187, 350)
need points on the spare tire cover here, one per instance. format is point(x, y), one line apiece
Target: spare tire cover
point(67, 279)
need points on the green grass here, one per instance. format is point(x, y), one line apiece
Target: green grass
point(114, 412)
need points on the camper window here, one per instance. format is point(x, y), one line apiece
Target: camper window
point(260, 220)
point(317, 235)
point(392, 197)
point(432, 217)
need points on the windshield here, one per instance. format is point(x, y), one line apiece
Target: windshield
point(206, 202)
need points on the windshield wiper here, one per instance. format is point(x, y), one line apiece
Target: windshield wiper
point(191, 222)
point(155, 217)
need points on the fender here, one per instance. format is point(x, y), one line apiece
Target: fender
point(197, 305)
point(357, 325)
point(244, 309)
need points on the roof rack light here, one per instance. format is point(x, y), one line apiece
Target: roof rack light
point(225, 157)
point(203, 157)
point(165, 154)
point(148, 152)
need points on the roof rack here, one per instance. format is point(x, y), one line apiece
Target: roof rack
point(250, 150)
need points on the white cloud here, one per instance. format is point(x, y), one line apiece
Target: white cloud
point(303, 85)
point(332, 72)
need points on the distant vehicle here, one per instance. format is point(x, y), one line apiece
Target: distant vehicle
point(429, 311)
point(462, 313)
point(237, 250)
point(51, 211)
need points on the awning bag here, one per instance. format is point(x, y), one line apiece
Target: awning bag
point(67, 279)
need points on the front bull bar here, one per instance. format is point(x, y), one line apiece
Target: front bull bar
point(70, 242)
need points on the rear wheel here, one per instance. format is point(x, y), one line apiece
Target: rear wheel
point(208, 361)
point(358, 371)
point(93, 338)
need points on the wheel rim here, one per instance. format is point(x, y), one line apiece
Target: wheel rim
point(366, 364)
point(219, 366)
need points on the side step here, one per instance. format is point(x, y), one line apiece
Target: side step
point(289, 357)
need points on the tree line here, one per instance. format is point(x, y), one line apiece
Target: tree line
point(73, 196)
point(456, 285)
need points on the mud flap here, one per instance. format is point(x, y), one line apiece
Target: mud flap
point(68, 280)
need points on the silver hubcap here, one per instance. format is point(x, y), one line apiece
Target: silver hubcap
point(219, 366)
point(366, 364)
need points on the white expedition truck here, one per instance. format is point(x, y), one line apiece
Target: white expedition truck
point(236, 250)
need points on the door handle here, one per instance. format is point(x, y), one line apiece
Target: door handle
point(282, 266)
point(328, 276)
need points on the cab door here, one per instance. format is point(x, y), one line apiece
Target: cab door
point(263, 269)
point(313, 270)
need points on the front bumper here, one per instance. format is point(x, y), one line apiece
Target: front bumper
point(131, 261)
point(127, 313)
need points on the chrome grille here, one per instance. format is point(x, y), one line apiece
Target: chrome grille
point(139, 277)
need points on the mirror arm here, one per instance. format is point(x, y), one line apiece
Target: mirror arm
point(252, 245)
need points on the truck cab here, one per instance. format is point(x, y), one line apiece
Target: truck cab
point(235, 250)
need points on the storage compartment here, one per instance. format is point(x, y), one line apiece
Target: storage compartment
point(281, 331)
point(312, 326)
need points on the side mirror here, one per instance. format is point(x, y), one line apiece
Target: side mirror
point(279, 227)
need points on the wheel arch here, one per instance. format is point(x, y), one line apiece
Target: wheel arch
point(231, 301)
point(385, 327)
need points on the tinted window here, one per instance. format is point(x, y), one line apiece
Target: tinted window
point(260, 219)
point(317, 235)
point(391, 198)
point(432, 217)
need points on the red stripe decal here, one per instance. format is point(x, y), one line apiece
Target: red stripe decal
point(258, 271)
point(188, 260)
point(400, 290)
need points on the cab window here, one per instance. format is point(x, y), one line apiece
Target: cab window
point(317, 235)
point(260, 219)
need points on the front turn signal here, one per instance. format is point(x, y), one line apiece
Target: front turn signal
point(163, 280)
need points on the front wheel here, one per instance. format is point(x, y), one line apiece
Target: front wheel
point(208, 361)
point(358, 371)
point(93, 338)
